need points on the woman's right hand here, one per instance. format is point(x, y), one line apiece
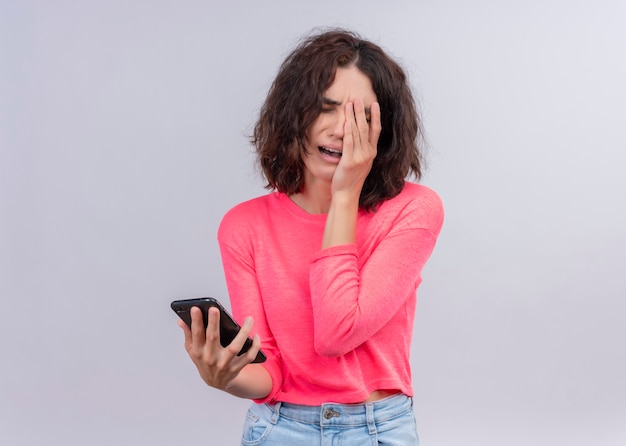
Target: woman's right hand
point(218, 366)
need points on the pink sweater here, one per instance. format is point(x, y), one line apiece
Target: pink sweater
point(336, 324)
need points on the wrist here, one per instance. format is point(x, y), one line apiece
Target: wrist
point(348, 200)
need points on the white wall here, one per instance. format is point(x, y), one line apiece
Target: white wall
point(123, 141)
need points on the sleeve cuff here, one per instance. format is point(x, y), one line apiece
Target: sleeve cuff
point(347, 249)
point(273, 369)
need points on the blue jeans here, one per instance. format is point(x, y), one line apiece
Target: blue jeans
point(389, 422)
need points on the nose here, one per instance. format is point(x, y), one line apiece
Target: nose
point(337, 126)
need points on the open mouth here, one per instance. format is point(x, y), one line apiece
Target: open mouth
point(330, 152)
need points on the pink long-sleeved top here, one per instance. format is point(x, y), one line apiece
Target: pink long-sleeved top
point(336, 324)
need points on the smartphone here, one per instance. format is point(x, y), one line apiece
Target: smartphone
point(228, 327)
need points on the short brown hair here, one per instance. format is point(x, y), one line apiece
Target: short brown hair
point(294, 101)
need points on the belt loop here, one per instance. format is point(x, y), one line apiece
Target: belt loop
point(276, 412)
point(369, 415)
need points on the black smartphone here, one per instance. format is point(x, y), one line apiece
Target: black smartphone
point(228, 327)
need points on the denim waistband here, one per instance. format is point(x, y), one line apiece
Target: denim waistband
point(335, 414)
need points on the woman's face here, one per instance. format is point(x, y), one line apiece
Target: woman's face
point(324, 137)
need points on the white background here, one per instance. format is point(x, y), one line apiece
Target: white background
point(123, 141)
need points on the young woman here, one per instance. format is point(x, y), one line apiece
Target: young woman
point(324, 269)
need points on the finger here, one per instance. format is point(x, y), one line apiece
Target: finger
point(213, 329)
point(375, 126)
point(241, 361)
point(239, 340)
point(197, 325)
point(251, 354)
point(359, 140)
point(361, 119)
point(348, 140)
